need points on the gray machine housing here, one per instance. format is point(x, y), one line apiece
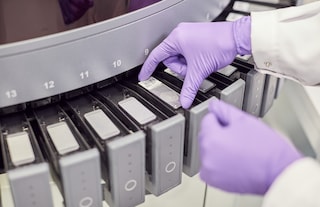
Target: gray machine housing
point(54, 64)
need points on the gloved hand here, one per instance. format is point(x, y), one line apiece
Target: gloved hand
point(195, 50)
point(239, 153)
point(72, 10)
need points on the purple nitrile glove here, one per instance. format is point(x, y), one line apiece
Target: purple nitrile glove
point(72, 10)
point(195, 50)
point(239, 153)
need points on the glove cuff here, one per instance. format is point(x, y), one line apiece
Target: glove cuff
point(242, 35)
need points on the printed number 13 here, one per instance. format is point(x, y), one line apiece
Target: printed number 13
point(11, 94)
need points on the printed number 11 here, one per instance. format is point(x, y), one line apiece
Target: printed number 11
point(84, 75)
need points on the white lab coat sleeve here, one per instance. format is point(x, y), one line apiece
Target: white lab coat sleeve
point(297, 186)
point(286, 42)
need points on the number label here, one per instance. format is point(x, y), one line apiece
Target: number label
point(84, 74)
point(117, 63)
point(11, 94)
point(146, 52)
point(49, 85)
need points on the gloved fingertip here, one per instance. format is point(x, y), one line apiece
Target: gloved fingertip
point(146, 70)
point(142, 77)
point(189, 90)
point(220, 110)
point(214, 105)
point(186, 102)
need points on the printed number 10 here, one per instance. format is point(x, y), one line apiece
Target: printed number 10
point(117, 63)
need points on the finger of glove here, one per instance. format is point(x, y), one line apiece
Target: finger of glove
point(177, 65)
point(160, 53)
point(209, 138)
point(224, 112)
point(190, 88)
point(209, 124)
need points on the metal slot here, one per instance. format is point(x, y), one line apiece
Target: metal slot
point(162, 91)
point(228, 70)
point(204, 87)
point(233, 16)
point(62, 138)
point(244, 57)
point(137, 110)
point(249, 7)
point(101, 123)
point(20, 148)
